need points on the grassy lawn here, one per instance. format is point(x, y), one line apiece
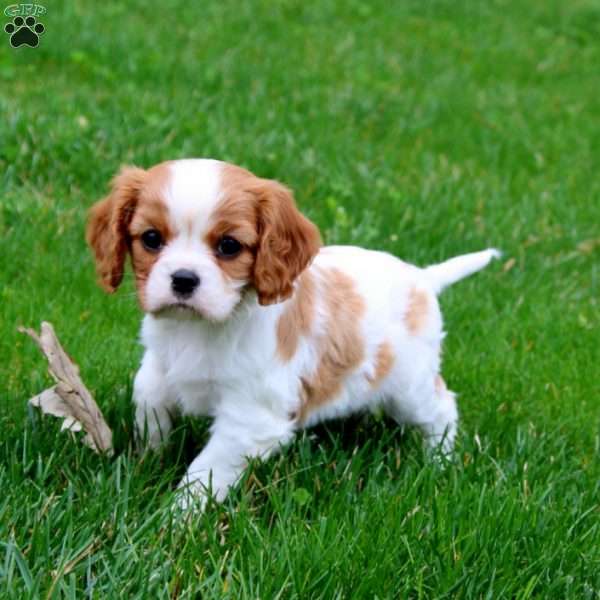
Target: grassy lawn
point(426, 129)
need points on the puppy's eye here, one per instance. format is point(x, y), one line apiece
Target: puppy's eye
point(228, 247)
point(152, 240)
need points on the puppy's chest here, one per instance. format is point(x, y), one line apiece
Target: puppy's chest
point(201, 368)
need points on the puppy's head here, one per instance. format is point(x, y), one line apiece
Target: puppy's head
point(200, 233)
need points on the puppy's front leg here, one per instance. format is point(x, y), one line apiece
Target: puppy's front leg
point(153, 403)
point(238, 433)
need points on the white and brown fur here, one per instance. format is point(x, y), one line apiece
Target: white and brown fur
point(283, 335)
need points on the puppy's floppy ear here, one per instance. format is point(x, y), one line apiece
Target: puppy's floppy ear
point(108, 221)
point(288, 241)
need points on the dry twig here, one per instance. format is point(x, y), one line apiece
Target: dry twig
point(69, 398)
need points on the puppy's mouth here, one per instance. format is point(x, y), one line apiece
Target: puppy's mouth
point(179, 309)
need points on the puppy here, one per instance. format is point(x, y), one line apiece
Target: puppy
point(251, 322)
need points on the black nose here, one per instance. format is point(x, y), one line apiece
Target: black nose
point(184, 282)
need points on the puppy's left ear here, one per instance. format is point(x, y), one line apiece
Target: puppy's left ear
point(107, 226)
point(288, 242)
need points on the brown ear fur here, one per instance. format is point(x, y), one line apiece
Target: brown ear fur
point(288, 241)
point(108, 220)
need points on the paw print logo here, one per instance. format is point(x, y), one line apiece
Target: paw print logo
point(24, 32)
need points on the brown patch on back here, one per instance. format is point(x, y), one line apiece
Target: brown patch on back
point(342, 346)
point(384, 361)
point(297, 317)
point(416, 312)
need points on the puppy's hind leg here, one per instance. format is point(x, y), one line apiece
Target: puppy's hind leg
point(440, 429)
point(432, 408)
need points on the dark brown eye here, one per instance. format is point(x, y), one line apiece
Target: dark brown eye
point(228, 247)
point(152, 240)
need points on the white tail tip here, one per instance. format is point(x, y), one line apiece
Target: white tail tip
point(455, 269)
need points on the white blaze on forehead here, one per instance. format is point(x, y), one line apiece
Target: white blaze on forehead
point(192, 193)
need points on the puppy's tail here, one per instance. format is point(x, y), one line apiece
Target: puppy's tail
point(453, 270)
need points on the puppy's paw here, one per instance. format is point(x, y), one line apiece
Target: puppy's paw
point(145, 444)
point(190, 497)
point(153, 425)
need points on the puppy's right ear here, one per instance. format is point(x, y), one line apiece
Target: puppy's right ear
point(108, 222)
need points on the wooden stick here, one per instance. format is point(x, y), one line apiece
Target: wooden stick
point(69, 398)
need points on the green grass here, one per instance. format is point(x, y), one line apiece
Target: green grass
point(423, 128)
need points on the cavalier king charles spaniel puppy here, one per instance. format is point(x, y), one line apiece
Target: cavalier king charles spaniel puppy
point(250, 321)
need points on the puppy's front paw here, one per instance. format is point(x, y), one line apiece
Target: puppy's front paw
point(146, 442)
point(152, 428)
point(190, 497)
